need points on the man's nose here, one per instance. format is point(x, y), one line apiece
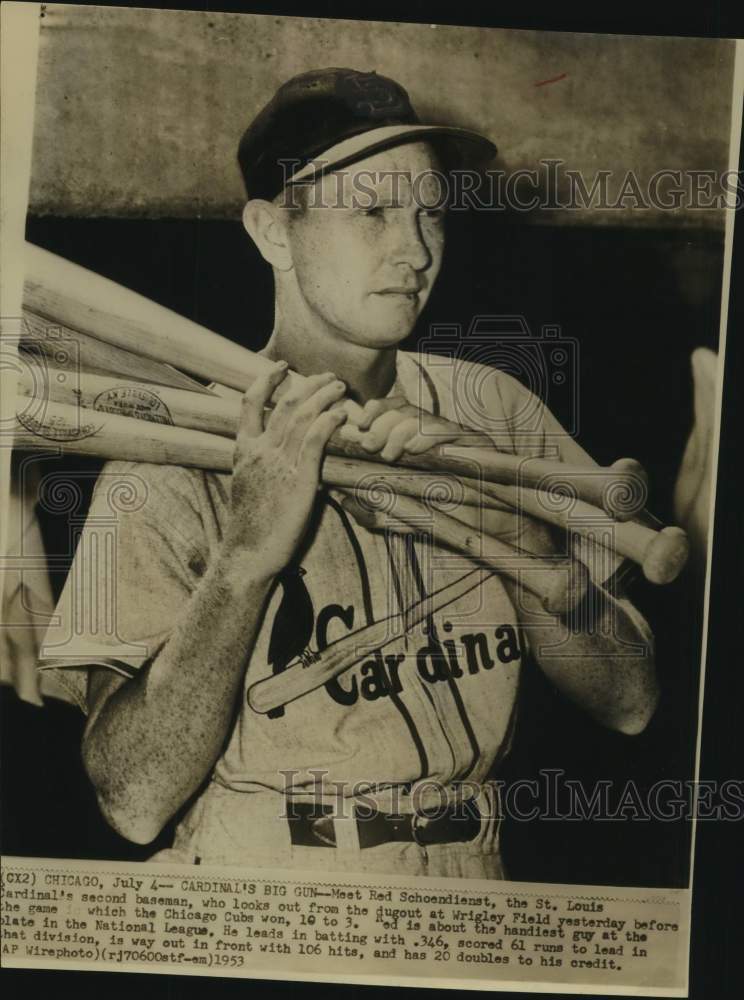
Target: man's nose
point(408, 244)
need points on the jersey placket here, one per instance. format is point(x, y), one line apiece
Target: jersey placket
point(448, 752)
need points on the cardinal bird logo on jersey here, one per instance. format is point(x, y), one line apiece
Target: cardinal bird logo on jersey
point(294, 624)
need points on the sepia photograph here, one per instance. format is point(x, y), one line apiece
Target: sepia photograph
point(361, 412)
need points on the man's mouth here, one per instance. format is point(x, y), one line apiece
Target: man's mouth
point(399, 290)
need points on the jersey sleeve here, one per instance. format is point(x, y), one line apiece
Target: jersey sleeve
point(138, 559)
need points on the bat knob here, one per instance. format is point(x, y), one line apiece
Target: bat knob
point(259, 698)
point(666, 555)
point(631, 466)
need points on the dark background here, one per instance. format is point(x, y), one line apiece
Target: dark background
point(637, 301)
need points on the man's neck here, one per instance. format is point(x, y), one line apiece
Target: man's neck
point(368, 373)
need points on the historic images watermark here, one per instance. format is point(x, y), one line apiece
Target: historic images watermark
point(549, 186)
point(550, 797)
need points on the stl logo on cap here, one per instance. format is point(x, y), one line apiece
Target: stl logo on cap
point(371, 94)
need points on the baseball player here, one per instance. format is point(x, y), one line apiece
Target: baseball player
point(222, 581)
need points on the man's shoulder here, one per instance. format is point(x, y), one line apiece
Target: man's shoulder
point(453, 376)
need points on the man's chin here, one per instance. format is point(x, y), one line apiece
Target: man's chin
point(388, 327)
point(389, 336)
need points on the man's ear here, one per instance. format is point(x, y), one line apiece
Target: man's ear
point(266, 226)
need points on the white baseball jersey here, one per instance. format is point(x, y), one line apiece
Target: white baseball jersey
point(436, 705)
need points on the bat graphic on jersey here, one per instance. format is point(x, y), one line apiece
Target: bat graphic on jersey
point(307, 674)
point(63, 292)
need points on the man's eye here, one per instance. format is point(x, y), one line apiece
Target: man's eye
point(437, 214)
point(374, 212)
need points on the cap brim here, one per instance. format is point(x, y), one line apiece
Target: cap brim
point(357, 147)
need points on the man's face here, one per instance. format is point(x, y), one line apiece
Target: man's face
point(366, 258)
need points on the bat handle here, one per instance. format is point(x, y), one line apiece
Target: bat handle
point(561, 588)
point(620, 490)
point(623, 498)
point(559, 584)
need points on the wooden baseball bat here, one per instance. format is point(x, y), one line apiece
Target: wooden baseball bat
point(63, 292)
point(559, 583)
point(73, 296)
point(126, 397)
point(661, 554)
point(71, 350)
point(382, 483)
point(46, 425)
point(43, 425)
point(302, 676)
point(220, 415)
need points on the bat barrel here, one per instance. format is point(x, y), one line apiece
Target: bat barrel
point(41, 425)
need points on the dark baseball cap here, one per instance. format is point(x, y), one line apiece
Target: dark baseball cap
point(330, 118)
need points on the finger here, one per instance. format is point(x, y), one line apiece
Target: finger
point(465, 437)
point(276, 422)
point(375, 408)
point(351, 434)
point(704, 388)
point(315, 440)
point(421, 442)
point(257, 398)
point(398, 439)
point(299, 422)
point(376, 437)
